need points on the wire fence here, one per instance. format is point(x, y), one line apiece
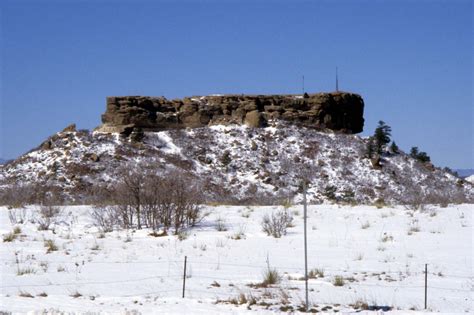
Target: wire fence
point(222, 279)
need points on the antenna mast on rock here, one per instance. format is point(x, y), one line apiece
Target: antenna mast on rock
point(303, 84)
point(337, 82)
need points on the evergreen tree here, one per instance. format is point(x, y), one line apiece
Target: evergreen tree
point(382, 136)
point(423, 157)
point(394, 148)
point(414, 152)
point(419, 155)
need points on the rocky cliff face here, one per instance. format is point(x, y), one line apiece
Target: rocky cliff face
point(337, 111)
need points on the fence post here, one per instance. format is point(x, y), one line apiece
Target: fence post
point(184, 274)
point(426, 285)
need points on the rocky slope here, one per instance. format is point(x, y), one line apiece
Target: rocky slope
point(236, 163)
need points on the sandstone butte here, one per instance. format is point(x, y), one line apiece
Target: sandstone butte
point(338, 111)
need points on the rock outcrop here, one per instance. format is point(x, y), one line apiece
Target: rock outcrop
point(339, 111)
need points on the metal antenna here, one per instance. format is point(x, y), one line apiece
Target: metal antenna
point(303, 84)
point(337, 82)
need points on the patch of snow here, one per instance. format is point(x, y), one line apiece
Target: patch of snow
point(470, 179)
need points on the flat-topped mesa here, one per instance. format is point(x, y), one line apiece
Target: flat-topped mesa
point(339, 111)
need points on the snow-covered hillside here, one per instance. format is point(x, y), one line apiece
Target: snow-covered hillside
point(379, 255)
point(239, 164)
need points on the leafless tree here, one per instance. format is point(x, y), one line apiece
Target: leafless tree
point(144, 198)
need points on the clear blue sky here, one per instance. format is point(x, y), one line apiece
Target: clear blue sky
point(410, 60)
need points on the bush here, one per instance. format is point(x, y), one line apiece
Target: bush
point(330, 192)
point(182, 235)
point(105, 217)
point(370, 149)
point(145, 199)
point(25, 271)
point(226, 158)
point(25, 294)
point(49, 215)
point(50, 246)
point(221, 225)
point(394, 148)
point(271, 276)
point(10, 237)
point(17, 216)
point(315, 273)
point(348, 196)
point(338, 281)
point(419, 155)
point(379, 203)
point(365, 225)
point(277, 224)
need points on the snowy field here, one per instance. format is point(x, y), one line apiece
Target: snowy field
point(378, 255)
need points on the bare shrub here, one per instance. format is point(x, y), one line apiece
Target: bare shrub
point(221, 224)
point(365, 225)
point(361, 305)
point(128, 193)
point(276, 224)
point(17, 216)
point(16, 196)
point(50, 246)
point(105, 218)
point(48, 216)
point(10, 237)
point(240, 233)
point(315, 273)
point(25, 271)
point(25, 294)
point(146, 199)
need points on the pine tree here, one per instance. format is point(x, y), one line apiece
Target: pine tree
point(423, 157)
point(414, 152)
point(382, 136)
point(419, 155)
point(394, 148)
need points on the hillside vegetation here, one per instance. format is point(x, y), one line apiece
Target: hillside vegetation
point(234, 164)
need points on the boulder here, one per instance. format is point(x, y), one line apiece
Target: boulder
point(253, 119)
point(70, 128)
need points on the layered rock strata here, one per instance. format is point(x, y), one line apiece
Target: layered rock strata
point(339, 111)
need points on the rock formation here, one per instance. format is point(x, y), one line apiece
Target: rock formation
point(339, 111)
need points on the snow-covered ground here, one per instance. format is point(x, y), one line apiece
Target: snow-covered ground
point(380, 253)
point(470, 179)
